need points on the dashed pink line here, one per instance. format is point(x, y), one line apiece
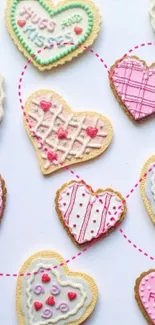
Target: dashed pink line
point(77, 176)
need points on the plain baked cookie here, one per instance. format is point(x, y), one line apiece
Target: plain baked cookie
point(3, 192)
point(147, 186)
point(145, 295)
point(86, 214)
point(133, 85)
point(52, 294)
point(69, 137)
point(49, 34)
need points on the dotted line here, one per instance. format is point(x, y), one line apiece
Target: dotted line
point(77, 176)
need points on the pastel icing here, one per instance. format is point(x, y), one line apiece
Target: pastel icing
point(147, 294)
point(1, 98)
point(37, 26)
point(150, 187)
point(88, 216)
point(64, 133)
point(135, 85)
point(152, 13)
point(63, 310)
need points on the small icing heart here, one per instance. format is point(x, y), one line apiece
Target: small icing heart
point(37, 305)
point(72, 296)
point(52, 156)
point(86, 216)
point(45, 278)
point(78, 30)
point(91, 132)
point(62, 133)
point(50, 301)
point(21, 23)
point(45, 105)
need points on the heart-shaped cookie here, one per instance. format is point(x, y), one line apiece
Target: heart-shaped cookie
point(69, 298)
point(147, 186)
point(145, 295)
point(133, 84)
point(3, 192)
point(1, 98)
point(87, 214)
point(65, 29)
point(63, 132)
point(152, 13)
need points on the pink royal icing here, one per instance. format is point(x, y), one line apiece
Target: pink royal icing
point(147, 294)
point(135, 85)
point(88, 216)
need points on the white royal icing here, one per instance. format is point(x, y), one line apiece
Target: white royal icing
point(150, 187)
point(85, 215)
point(68, 120)
point(75, 309)
point(38, 37)
point(152, 13)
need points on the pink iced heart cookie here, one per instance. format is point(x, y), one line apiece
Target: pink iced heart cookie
point(86, 214)
point(133, 84)
point(69, 137)
point(145, 295)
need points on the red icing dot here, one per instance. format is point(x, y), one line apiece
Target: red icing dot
point(64, 203)
point(37, 305)
point(112, 219)
point(62, 133)
point(91, 132)
point(45, 278)
point(83, 194)
point(51, 156)
point(81, 204)
point(92, 231)
point(97, 210)
point(94, 221)
point(78, 30)
point(45, 106)
point(21, 23)
point(68, 193)
point(72, 295)
point(50, 301)
point(78, 216)
point(74, 226)
point(114, 208)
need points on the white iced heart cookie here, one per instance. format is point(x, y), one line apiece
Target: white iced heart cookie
point(69, 137)
point(147, 187)
point(1, 98)
point(86, 214)
point(52, 294)
point(152, 13)
point(65, 29)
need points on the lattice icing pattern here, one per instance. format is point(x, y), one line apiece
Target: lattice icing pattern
point(65, 134)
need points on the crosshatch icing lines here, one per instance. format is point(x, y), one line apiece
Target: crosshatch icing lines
point(36, 25)
point(61, 136)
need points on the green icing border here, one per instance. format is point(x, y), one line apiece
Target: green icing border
point(53, 13)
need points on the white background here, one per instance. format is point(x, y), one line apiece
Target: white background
point(30, 222)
